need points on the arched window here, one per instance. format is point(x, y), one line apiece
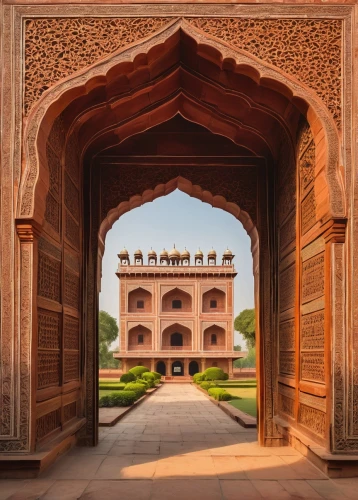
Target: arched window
point(140, 339)
point(176, 304)
point(213, 339)
point(140, 304)
point(213, 304)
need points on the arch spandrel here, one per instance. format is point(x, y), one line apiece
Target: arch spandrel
point(317, 114)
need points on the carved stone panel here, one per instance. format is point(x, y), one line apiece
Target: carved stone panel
point(72, 289)
point(276, 41)
point(312, 366)
point(48, 423)
point(312, 330)
point(49, 277)
point(72, 198)
point(313, 278)
point(287, 288)
point(52, 212)
point(71, 332)
point(307, 166)
point(287, 335)
point(287, 362)
point(70, 44)
point(72, 231)
point(286, 400)
point(71, 366)
point(286, 405)
point(312, 419)
point(288, 232)
point(308, 211)
point(69, 411)
point(48, 369)
point(48, 329)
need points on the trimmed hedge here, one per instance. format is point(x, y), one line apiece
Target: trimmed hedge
point(138, 389)
point(214, 373)
point(127, 377)
point(149, 378)
point(142, 382)
point(157, 375)
point(219, 394)
point(226, 376)
point(116, 386)
point(117, 398)
point(198, 377)
point(138, 371)
point(207, 385)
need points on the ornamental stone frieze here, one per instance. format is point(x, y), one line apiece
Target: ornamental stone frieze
point(308, 49)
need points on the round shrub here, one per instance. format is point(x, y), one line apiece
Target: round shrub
point(149, 378)
point(214, 373)
point(226, 376)
point(138, 389)
point(207, 385)
point(142, 382)
point(138, 371)
point(198, 377)
point(219, 394)
point(127, 377)
point(226, 397)
point(157, 375)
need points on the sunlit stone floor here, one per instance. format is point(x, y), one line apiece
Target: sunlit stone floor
point(177, 445)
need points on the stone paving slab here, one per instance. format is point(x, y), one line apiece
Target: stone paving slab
point(177, 445)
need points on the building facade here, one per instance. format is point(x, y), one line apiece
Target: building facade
point(176, 317)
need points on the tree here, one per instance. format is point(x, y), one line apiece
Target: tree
point(248, 362)
point(245, 324)
point(108, 333)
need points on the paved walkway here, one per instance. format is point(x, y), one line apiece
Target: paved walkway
point(177, 445)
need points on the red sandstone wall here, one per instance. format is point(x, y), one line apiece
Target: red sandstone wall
point(217, 295)
point(177, 295)
point(137, 295)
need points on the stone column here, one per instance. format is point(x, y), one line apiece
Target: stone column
point(203, 364)
point(152, 365)
point(124, 366)
point(24, 410)
point(231, 371)
point(186, 366)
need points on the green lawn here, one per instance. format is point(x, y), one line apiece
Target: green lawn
point(245, 389)
point(108, 385)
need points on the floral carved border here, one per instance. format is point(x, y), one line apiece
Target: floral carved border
point(308, 49)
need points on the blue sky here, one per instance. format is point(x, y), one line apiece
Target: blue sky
point(187, 222)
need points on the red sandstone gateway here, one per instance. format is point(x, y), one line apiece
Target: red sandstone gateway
point(246, 107)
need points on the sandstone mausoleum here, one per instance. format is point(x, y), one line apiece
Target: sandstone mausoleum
point(176, 317)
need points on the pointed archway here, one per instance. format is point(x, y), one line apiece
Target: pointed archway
point(80, 119)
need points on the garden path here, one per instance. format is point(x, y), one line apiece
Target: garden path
point(178, 445)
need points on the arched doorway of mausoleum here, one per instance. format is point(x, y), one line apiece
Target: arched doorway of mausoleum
point(177, 369)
